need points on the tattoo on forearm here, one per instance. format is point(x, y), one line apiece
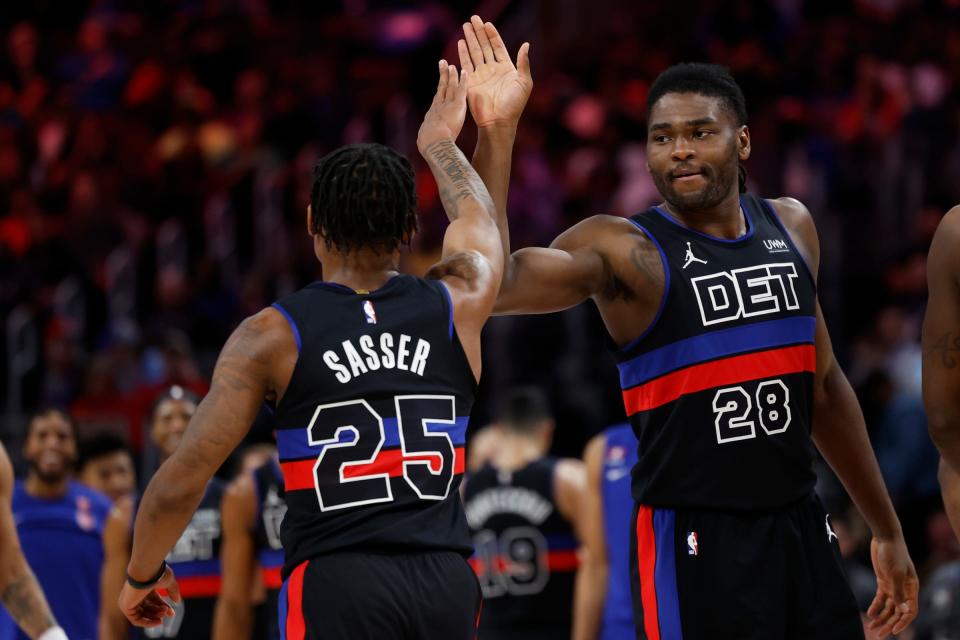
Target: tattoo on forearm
point(26, 604)
point(457, 179)
point(946, 348)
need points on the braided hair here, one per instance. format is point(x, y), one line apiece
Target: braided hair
point(707, 80)
point(363, 197)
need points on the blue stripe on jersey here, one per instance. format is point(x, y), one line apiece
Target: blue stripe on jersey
point(293, 444)
point(270, 558)
point(196, 568)
point(665, 575)
point(716, 344)
point(561, 542)
point(293, 325)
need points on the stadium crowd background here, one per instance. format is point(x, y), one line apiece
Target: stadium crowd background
point(155, 161)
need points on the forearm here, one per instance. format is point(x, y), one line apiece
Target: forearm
point(167, 506)
point(841, 436)
point(232, 618)
point(492, 160)
point(112, 624)
point(457, 181)
point(950, 486)
point(589, 594)
point(22, 596)
point(943, 423)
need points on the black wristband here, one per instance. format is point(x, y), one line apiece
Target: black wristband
point(136, 584)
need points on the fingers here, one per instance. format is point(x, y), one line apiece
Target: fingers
point(906, 612)
point(481, 32)
point(877, 605)
point(173, 590)
point(523, 60)
point(444, 81)
point(453, 83)
point(465, 61)
point(885, 619)
point(473, 44)
point(460, 94)
point(500, 52)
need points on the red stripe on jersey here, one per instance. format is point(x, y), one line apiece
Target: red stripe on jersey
point(199, 586)
point(296, 627)
point(299, 475)
point(719, 373)
point(271, 577)
point(647, 563)
point(563, 560)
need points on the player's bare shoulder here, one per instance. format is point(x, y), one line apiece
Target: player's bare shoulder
point(798, 221)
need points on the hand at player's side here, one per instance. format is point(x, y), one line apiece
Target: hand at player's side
point(146, 607)
point(497, 91)
point(895, 605)
point(444, 119)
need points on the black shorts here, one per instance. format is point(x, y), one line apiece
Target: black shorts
point(771, 575)
point(360, 596)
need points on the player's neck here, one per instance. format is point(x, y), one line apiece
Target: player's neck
point(36, 487)
point(362, 270)
point(516, 452)
point(726, 220)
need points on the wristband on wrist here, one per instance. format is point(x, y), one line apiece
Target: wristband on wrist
point(53, 633)
point(136, 584)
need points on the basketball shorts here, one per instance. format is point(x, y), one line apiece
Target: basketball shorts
point(374, 596)
point(770, 575)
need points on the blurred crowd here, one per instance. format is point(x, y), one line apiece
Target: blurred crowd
point(155, 161)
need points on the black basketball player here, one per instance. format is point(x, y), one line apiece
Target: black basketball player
point(941, 357)
point(728, 377)
point(372, 375)
point(521, 507)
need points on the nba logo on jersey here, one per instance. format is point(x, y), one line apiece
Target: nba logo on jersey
point(693, 546)
point(369, 311)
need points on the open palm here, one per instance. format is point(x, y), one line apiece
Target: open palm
point(497, 91)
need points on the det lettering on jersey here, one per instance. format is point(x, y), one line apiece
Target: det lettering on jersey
point(745, 293)
point(196, 542)
point(385, 352)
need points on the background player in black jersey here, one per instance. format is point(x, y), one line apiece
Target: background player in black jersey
point(252, 510)
point(697, 138)
point(167, 421)
point(523, 506)
point(20, 593)
point(941, 357)
point(373, 544)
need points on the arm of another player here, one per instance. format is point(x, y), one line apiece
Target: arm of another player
point(116, 554)
point(243, 377)
point(19, 590)
point(840, 433)
point(471, 265)
point(591, 586)
point(941, 357)
point(233, 617)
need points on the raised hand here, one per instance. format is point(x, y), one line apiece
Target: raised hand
point(444, 119)
point(895, 605)
point(497, 90)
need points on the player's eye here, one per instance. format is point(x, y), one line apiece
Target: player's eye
point(700, 134)
point(661, 139)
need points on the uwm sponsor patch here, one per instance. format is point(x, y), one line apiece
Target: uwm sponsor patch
point(745, 293)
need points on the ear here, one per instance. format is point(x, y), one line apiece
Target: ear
point(310, 219)
point(743, 143)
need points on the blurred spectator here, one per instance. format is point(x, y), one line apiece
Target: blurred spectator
point(106, 465)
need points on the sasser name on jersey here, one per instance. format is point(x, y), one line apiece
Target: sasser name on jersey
point(370, 353)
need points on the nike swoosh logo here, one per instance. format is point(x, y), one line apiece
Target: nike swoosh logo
point(617, 474)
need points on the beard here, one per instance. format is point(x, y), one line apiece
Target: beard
point(50, 475)
point(716, 188)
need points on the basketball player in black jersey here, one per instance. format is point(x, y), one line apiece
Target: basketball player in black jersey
point(729, 380)
point(196, 555)
point(521, 506)
point(372, 375)
point(941, 357)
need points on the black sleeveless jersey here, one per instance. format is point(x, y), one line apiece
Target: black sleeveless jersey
point(525, 553)
point(271, 507)
point(719, 389)
point(372, 426)
point(195, 560)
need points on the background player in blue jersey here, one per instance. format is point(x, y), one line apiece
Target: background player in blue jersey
point(941, 357)
point(362, 211)
point(252, 510)
point(60, 524)
point(196, 553)
point(603, 604)
point(20, 593)
point(710, 392)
